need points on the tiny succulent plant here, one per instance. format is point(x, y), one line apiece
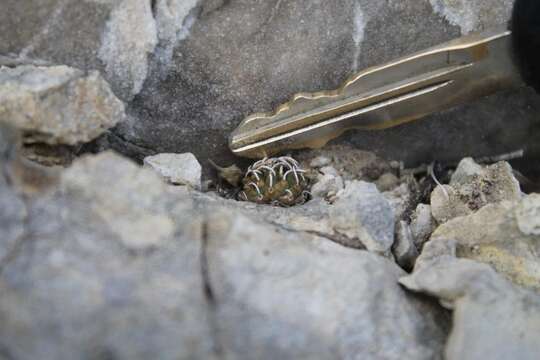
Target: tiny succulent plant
point(277, 181)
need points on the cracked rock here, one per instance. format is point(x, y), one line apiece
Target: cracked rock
point(492, 318)
point(178, 169)
point(277, 295)
point(127, 266)
point(493, 235)
point(361, 212)
point(57, 105)
point(110, 267)
point(472, 188)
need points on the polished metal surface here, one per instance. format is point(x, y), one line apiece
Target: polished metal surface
point(385, 96)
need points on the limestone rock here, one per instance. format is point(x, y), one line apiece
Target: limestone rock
point(110, 266)
point(192, 70)
point(492, 318)
point(362, 212)
point(472, 188)
point(116, 263)
point(277, 295)
point(494, 236)
point(180, 169)
point(57, 105)
point(328, 184)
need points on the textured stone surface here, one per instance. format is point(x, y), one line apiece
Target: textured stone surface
point(57, 105)
point(115, 263)
point(422, 224)
point(109, 267)
point(492, 318)
point(494, 236)
point(180, 169)
point(361, 211)
point(191, 70)
point(471, 188)
point(404, 248)
point(277, 296)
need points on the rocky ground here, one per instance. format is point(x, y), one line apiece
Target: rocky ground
point(120, 240)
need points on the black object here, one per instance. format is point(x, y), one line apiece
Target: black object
point(526, 39)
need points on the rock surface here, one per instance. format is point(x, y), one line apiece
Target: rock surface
point(179, 169)
point(190, 279)
point(58, 105)
point(494, 235)
point(361, 211)
point(192, 70)
point(492, 318)
point(473, 187)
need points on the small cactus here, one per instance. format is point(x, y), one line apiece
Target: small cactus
point(277, 181)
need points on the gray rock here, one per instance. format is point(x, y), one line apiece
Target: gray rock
point(278, 297)
point(320, 161)
point(192, 280)
point(492, 318)
point(472, 188)
point(110, 267)
point(128, 39)
point(422, 225)
point(328, 184)
point(400, 198)
point(360, 211)
point(13, 215)
point(466, 170)
point(404, 249)
point(528, 215)
point(179, 169)
point(473, 15)
point(58, 105)
point(493, 236)
point(192, 70)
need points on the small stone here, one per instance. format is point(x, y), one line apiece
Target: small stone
point(58, 104)
point(320, 161)
point(327, 185)
point(178, 169)
point(466, 170)
point(422, 225)
point(404, 249)
point(387, 182)
point(472, 188)
point(361, 211)
point(446, 204)
point(528, 215)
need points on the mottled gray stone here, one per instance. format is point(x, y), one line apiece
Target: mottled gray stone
point(493, 235)
point(192, 70)
point(179, 169)
point(361, 211)
point(57, 105)
point(281, 296)
point(492, 318)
